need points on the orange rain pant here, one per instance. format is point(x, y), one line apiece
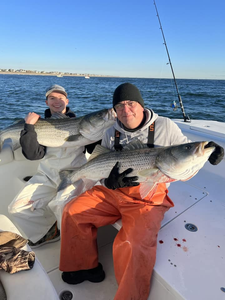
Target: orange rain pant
point(134, 248)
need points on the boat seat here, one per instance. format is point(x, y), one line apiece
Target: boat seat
point(6, 153)
point(32, 284)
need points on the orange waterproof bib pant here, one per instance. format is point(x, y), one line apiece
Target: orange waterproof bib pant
point(134, 248)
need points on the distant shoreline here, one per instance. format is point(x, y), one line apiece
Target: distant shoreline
point(59, 75)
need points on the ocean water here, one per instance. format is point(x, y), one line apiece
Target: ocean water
point(20, 94)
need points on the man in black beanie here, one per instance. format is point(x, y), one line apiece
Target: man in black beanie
point(134, 248)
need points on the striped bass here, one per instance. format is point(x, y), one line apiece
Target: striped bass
point(64, 132)
point(151, 165)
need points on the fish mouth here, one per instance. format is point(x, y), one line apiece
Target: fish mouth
point(203, 149)
point(207, 148)
point(112, 114)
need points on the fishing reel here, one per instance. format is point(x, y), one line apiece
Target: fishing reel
point(174, 105)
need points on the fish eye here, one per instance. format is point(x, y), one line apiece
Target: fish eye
point(187, 147)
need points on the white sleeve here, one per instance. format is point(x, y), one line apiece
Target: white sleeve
point(108, 138)
point(176, 135)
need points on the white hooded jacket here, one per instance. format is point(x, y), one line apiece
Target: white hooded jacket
point(167, 133)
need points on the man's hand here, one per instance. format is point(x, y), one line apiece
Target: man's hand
point(217, 155)
point(117, 180)
point(32, 118)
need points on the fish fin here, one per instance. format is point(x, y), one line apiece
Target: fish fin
point(66, 172)
point(98, 151)
point(82, 185)
point(146, 187)
point(73, 138)
point(20, 121)
point(58, 115)
point(65, 178)
point(190, 176)
point(94, 136)
point(135, 144)
point(148, 172)
point(88, 184)
point(63, 184)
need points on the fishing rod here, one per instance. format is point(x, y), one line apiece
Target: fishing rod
point(186, 118)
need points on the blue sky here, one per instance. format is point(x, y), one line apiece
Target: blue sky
point(114, 37)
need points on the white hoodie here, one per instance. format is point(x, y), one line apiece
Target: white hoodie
point(167, 133)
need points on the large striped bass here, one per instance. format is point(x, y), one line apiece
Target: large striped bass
point(64, 132)
point(151, 165)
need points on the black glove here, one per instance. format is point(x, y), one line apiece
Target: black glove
point(217, 155)
point(117, 180)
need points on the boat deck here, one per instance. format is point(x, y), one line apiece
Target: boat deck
point(190, 264)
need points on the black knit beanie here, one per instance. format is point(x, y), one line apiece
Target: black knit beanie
point(127, 91)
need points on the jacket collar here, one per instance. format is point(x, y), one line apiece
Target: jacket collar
point(68, 113)
point(151, 116)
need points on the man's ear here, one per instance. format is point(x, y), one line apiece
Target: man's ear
point(46, 101)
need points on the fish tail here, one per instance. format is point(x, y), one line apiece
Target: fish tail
point(64, 173)
point(63, 184)
point(65, 176)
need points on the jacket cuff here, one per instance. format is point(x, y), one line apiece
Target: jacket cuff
point(29, 127)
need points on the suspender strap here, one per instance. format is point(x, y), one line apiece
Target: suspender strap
point(150, 144)
point(117, 145)
point(151, 134)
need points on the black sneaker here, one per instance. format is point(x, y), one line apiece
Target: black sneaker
point(93, 275)
point(53, 235)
